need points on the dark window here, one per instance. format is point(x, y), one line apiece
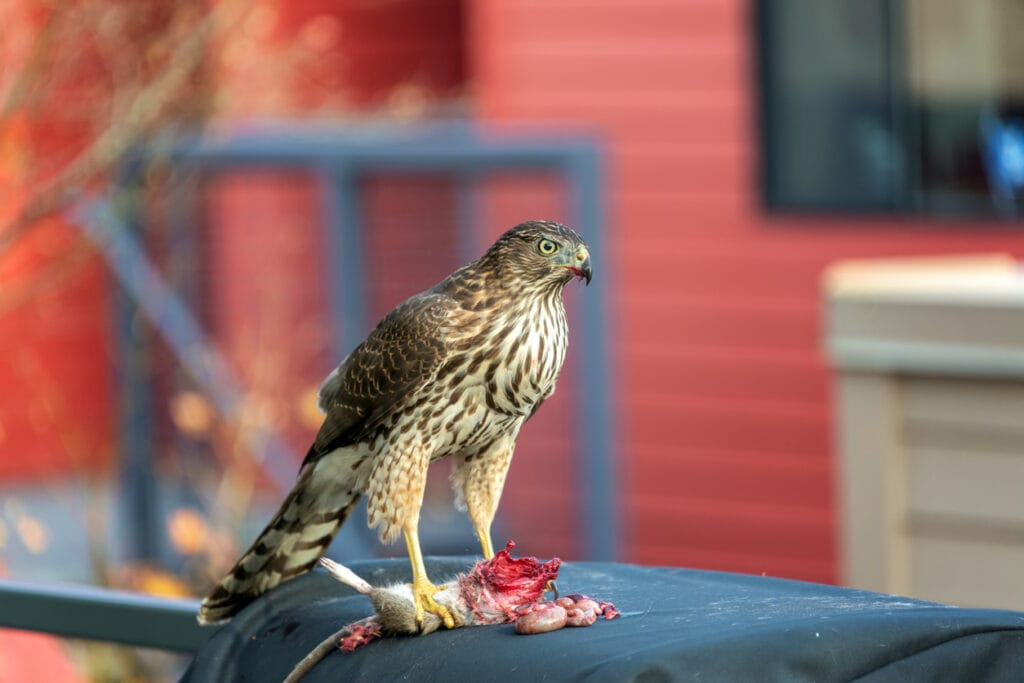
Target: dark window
point(893, 105)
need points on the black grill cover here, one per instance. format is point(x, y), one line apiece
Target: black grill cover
point(676, 625)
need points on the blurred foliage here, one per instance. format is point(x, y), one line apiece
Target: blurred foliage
point(82, 82)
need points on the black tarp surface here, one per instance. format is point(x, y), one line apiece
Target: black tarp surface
point(676, 625)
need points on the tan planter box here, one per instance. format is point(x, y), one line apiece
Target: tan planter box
point(930, 426)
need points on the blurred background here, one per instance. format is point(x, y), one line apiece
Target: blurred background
point(800, 357)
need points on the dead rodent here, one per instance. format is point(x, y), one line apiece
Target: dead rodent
point(497, 591)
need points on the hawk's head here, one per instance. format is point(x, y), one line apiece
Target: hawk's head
point(540, 253)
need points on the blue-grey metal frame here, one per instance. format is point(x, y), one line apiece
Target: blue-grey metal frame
point(102, 614)
point(341, 157)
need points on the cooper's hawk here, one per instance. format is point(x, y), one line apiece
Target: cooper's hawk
point(452, 371)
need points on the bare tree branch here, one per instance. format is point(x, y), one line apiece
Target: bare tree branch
point(145, 110)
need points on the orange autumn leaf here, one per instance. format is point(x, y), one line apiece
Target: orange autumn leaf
point(192, 413)
point(15, 145)
point(15, 138)
point(33, 533)
point(160, 583)
point(188, 531)
point(309, 411)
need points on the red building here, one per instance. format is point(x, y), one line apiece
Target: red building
point(727, 459)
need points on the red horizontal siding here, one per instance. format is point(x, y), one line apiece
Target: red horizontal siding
point(265, 311)
point(364, 50)
point(711, 271)
point(540, 509)
point(613, 105)
point(710, 324)
point(670, 20)
point(411, 242)
point(56, 411)
point(667, 553)
point(682, 422)
point(742, 477)
point(771, 529)
point(774, 539)
point(726, 374)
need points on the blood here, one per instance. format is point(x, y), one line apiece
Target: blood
point(359, 634)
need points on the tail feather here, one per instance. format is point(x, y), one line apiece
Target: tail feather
point(290, 545)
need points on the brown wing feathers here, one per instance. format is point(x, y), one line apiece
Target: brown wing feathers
point(400, 356)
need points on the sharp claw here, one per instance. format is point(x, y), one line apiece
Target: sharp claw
point(551, 587)
point(423, 594)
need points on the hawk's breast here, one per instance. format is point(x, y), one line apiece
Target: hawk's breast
point(505, 369)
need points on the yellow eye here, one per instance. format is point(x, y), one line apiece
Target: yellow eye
point(547, 247)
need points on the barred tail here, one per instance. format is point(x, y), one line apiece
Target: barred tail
point(290, 545)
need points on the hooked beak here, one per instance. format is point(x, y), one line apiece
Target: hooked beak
point(580, 265)
point(584, 270)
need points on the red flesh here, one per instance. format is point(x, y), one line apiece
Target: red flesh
point(506, 582)
point(540, 617)
point(605, 609)
point(578, 616)
point(359, 634)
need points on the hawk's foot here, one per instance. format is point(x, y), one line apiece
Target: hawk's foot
point(423, 595)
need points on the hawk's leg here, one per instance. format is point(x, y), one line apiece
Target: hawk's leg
point(483, 532)
point(478, 479)
point(422, 589)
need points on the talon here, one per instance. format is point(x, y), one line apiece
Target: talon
point(422, 589)
point(423, 594)
point(551, 587)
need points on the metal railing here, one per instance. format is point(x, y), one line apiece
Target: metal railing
point(102, 614)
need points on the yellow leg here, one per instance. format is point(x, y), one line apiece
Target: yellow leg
point(422, 589)
point(484, 534)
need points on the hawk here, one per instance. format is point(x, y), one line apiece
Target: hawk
point(453, 371)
